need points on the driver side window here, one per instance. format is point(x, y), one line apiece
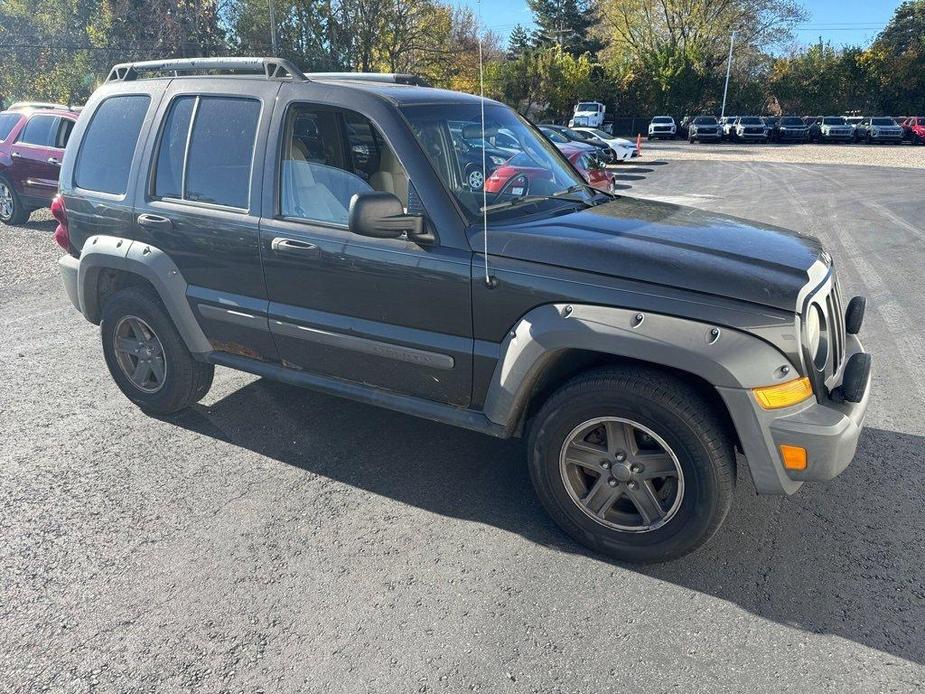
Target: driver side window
point(329, 155)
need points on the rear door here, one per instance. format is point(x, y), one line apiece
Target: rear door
point(36, 158)
point(199, 203)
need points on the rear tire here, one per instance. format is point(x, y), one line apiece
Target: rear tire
point(12, 210)
point(147, 357)
point(666, 418)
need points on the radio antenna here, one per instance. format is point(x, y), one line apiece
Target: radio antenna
point(488, 280)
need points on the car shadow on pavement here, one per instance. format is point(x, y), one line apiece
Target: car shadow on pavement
point(39, 225)
point(835, 559)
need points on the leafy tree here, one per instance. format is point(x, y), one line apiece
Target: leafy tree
point(896, 60)
point(678, 48)
point(518, 42)
point(567, 24)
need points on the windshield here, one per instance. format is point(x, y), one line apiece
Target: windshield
point(882, 121)
point(662, 119)
point(704, 120)
point(833, 121)
point(791, 121)
point(587, 106)
point(537, 169)
point(600, 133)
point(750, 120)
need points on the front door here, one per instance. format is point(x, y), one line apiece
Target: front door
point(383, 312)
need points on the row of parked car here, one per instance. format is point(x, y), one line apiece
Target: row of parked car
point(869, 129)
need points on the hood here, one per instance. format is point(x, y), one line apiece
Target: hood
point(670, 245)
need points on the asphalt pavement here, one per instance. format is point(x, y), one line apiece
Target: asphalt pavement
point(276, 540)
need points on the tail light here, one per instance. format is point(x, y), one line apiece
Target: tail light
point(59, 212)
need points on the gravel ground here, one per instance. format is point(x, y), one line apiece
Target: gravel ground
point(904, 155)
point(276, 540)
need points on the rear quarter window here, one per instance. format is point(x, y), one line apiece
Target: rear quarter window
point(8, 121)
point(108, 146)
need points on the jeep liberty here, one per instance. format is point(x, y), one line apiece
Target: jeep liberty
point(320, 229)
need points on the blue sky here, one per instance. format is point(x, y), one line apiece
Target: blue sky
point(839, 21)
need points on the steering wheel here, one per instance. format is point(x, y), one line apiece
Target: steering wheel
point(518, 186)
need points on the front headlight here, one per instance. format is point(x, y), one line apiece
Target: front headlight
point(497, 161)
point(815, 329)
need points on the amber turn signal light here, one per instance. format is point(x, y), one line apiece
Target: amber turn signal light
point(794, 457)
point(784, 394)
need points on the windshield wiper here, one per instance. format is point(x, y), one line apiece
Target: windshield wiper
point(530, 199)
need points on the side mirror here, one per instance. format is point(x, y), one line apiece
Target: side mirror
point(381, 215)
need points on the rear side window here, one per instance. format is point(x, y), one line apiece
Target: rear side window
point(207, 150)
point(41, 131)
point(108, 145)
point(7, 122)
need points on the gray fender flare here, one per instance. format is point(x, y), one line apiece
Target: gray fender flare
point(723, 357)
point(149, 262)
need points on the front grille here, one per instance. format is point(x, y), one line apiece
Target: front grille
point(662, 127)
point(830, 300)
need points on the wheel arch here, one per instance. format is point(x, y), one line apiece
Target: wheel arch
point(109, 263)
point(555, 342)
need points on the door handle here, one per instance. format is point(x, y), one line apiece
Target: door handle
point(55, 162)
point(154, 222)
point(15, 155)
point(284, 245)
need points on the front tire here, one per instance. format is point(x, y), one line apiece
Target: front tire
point(632, 463)
point(147, 357)
point(12, 210)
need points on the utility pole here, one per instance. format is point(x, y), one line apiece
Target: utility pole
point(273, 30)
point(728, 69)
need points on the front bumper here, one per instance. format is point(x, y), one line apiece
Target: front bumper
point(704, 135)
point(69, 267)
point(837, 137)
point(828, 430)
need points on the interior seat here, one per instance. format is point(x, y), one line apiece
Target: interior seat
point(391, 176)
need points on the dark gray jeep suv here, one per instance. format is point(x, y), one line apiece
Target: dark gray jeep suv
point(320, 230)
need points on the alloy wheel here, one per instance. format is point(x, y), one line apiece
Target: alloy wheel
point(6, 202)
point(622, 474)
point(140, 354)
point(476, 180)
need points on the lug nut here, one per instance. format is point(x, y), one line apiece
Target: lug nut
point(633, 485)
point(605, 465)
point(636, 468)
point(621, 456)
point(612, 482)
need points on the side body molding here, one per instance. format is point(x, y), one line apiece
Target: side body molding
point(724, 357)
point(101, 252)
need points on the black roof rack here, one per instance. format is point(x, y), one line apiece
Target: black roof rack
point(272, 68)
point(386, 77)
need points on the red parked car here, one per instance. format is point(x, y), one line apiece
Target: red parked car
point(522, 165)
point(517, 166)
point(32, 142)
point(591, 170)
point(914, 129)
